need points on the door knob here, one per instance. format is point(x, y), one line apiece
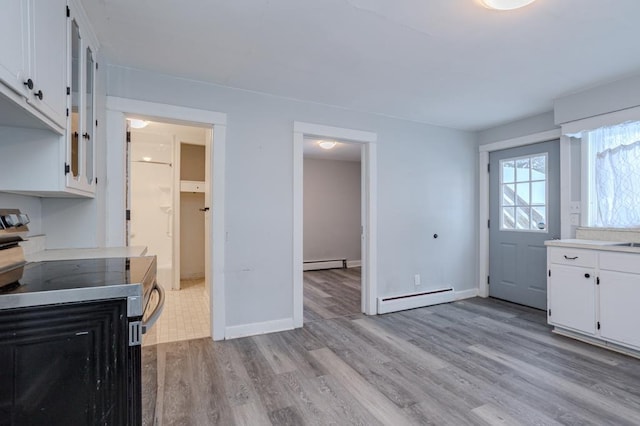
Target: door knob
point(205, 209)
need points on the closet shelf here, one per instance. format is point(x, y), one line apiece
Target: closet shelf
point(191, 186)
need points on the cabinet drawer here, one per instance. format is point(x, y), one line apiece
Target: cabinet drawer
point(574, 257)
point(621, 262)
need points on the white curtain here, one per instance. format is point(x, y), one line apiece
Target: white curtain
point(617, 174)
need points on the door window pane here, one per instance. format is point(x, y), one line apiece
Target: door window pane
point(523, 203)
point(508, 171)
point(508, 194)
point(522, 170)
point(539, 217)
point(523, 220)
point(539, 168)
point(538, 193)
point(522, 194)
point(508, 217)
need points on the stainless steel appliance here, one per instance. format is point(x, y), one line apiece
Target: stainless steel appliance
point(71, 334)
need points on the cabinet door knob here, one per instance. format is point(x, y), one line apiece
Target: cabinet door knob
point(587, 275)
point(39, 94)
point(86, 136)
point(29, 84)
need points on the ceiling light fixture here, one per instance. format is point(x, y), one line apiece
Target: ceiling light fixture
point(505, 4)
point(327, 144)
point(136, 123)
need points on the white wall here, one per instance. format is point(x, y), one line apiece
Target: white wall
point(331, 209)
point(524, 127)
point(598, 100)
point(426, 184)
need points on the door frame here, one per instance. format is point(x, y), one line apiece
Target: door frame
point(483, 199)
point(369, 200)
point(119, 108)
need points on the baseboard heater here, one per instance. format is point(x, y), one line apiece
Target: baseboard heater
point(324, 264)
point(415, 300)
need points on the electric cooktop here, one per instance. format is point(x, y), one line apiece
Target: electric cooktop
point(63, 281)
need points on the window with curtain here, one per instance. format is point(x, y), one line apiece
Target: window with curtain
point(614, 156)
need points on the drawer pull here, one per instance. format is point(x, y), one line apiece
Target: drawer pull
point(587, 276)
point(570, 258)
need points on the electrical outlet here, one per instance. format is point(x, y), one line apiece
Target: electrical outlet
point(416, 280)
point(575, 207)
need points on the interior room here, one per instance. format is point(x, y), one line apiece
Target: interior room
point(471, 259)
point(332, 229)
point(167, 209)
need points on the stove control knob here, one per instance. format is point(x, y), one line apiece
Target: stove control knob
point(11, 220)
point(24, 219)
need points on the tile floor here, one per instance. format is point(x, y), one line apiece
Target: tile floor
point(185, 315)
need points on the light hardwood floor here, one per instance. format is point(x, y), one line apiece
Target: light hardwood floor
point(472, 362)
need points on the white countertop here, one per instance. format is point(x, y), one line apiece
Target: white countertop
point(593, 244)
point(86, 253)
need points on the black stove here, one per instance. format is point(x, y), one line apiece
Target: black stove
point(71, 334)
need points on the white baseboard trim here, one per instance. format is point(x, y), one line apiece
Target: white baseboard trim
point(466, 294)
point(354, 263)
point(253, 329)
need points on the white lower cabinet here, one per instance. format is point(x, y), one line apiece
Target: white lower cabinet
point(572, 298)
point(599, 299)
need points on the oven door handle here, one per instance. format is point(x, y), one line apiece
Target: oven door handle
point(146, 325)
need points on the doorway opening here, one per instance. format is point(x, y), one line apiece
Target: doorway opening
point(168, 196)
point(368, 211)
point(332, 228)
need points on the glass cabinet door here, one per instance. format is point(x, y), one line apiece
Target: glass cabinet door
point(89, 118)
point(74, 131)
point(81, 144)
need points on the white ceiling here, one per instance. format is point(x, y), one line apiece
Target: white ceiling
point(448, 62)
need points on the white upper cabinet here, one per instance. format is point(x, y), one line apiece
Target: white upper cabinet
point(14, 44)
point(47, 99)
point(48, 70)
point(32, 59)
